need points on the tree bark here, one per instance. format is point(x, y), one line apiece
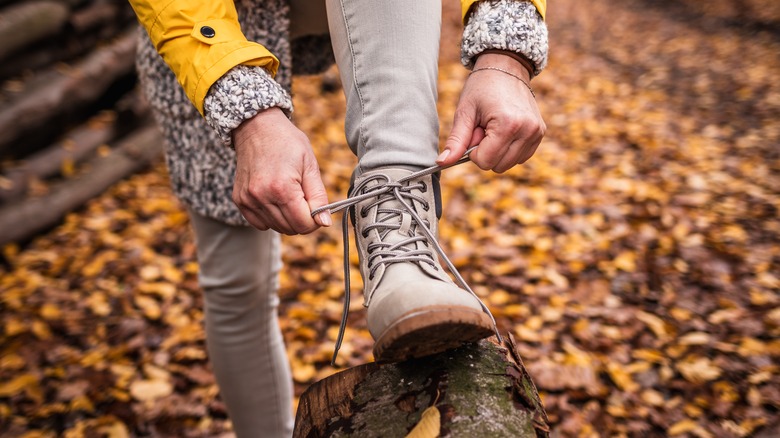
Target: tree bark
point(26, 23)
point(480, 390)
point(67, 91)
point(21, 220)
point(78, 145)
point(97, 14)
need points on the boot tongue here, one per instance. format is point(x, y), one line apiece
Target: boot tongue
point(390, 202)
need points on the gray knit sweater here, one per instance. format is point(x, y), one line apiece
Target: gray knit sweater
point(201, 167)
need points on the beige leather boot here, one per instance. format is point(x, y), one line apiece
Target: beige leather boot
point(414, 308)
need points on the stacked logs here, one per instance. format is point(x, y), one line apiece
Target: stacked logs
point(71, 121)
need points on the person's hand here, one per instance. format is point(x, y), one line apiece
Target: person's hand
point(498, 113)
point(278, 181)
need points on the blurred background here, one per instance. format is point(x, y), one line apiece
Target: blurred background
point(635, 258)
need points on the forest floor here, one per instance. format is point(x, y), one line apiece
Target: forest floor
point(636, 257)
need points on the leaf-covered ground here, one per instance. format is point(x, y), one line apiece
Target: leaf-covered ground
point(636, 257)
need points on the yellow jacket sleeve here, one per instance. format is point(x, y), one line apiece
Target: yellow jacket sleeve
point(541, 6)
point(200, 40)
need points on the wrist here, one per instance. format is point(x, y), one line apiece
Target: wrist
point(257, 124)
point(505, 60)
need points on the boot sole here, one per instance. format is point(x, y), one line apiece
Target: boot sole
point(431, 330)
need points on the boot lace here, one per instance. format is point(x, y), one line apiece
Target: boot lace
point(382, 253)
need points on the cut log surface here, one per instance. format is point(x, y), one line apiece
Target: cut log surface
point(480, 390)
point(23, 219)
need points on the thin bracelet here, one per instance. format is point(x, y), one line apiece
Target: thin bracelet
point(507, 72)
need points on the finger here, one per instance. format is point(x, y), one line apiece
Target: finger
point(254, 219)
point(268, 214)
point(298, 215)
point(477, 136)
point(530, 148)
point(510, 158)
point(463, 126)
point(315, 194)
point(519, 152)
point(487, 155)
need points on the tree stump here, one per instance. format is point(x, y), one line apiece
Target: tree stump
point(479, 390)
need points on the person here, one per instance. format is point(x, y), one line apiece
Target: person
point(218, 74)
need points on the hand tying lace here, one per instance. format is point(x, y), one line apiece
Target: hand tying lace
point(399, 192)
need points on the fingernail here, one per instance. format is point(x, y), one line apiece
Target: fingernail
point(325, 220)
point(443, 156)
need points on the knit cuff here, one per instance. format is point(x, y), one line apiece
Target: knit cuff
point(511, 25)
point(239, 95)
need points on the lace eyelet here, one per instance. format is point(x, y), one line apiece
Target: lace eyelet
point(426, 207)
point(364, 234)
point(424, 187)
point(363, 213)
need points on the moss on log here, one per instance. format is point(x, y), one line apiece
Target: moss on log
point(479, 389)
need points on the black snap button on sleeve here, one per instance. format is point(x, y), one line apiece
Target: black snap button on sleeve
point(207, 31)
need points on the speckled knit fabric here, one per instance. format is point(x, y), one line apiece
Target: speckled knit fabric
point(510, 25)
point(240, 95)
point(202, 168)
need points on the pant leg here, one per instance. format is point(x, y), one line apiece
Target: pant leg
point(239, 269)
point(387, 53)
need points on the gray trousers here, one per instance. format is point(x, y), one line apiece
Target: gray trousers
point(387, 54)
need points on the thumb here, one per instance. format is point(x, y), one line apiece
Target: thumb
point(315, 194)
point(460, 138)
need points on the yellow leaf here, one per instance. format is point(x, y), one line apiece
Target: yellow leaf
point(726, 392)
point(50, 311)
point(699, 370)
point(682, 427)
point(13, 327)
point(695, 338)
point(17, 385)
point(98, 304)
point(751, 347)
point(82, 403)
point(656, 324)
point(621, 378)
point(41, 330)
point(150, 272)
point(120, 395)
point(429, 425)
point(165, 290)
point(302, 372)
point(173, 274)
point(680, 314)
point(190, 353)
point(625, 261)
point(12, 361)
point(149, 306)
point(114, 430)
point(123, 373)
point(654, 356)
point(36, 434)
point(652, 397)
point(760, 377)
point(67, 167)
point(144, 390)
point(721, 316)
